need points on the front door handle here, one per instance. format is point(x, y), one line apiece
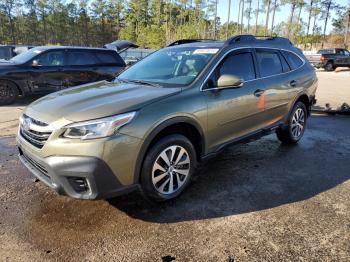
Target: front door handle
point(293, 83)
point(258, 92)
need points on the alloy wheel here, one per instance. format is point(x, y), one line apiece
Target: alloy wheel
point(171, 169)
point(298, 123)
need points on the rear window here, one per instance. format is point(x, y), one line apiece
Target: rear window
point(293, 60)
point(110, 58)
point(81, 58)
point(269, 62)
point(325, 51)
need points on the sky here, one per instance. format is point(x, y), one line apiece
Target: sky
point(281, 16)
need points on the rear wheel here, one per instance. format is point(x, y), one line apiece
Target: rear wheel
point(8, 92)
point(296, 124)
point(168, 167)
point(329, 66)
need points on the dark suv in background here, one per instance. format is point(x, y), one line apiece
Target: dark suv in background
point(43, 70)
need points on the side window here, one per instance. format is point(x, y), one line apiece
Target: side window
point(346, 52)
point(81, 58)
point(240, 65)
point(293, 60)
point(51, 58)
point(285, 65)
point(269, 62)
point(109, 58)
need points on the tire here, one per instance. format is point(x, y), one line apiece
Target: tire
point(160, 181)
point(329, 67)
point(296, 124)
point(8, 92)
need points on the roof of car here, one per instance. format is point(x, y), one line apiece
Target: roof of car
point(211, 44)
point(70, 47)
point(237, 41)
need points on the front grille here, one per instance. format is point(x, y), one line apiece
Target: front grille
point(35, 164)
point(34, 131)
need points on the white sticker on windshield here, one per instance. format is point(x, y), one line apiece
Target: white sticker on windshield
point(37, 51)
point(206, 51)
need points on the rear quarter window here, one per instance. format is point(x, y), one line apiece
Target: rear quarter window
point(80, 58)
point(110, 57)
point(293, 60)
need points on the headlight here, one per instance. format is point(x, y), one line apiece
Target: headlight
point(97, 128)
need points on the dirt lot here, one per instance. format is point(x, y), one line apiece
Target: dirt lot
point(254, 202)
point(333, 88)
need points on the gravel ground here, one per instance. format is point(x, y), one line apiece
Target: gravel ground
point(254, 202)
point(333, 88)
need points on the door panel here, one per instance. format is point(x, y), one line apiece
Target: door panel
point(49, 75)
point(279, 85)
point(233, 112)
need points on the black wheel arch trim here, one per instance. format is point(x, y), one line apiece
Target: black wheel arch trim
point(155, 131)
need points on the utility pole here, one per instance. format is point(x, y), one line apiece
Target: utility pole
point(216, 14)
point(238, 17)
point(228, 17)
point(242, 15)
point(267, 18)
point(347, 28)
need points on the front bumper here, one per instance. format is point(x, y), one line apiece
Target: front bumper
point(82, 177)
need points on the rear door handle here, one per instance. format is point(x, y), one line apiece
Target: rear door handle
point(258, 92)
point(293, 83)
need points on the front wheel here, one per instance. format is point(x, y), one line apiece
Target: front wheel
point(296, 124)
point(168, 167)
point(329, 67)
point(8, 92)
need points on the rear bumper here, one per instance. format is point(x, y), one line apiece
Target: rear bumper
point(80, 177)
point(317, 64)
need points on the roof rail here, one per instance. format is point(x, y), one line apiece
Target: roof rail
point(187, 41)
point(252, 38)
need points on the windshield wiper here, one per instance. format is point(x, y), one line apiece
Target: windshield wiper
point(142, 82)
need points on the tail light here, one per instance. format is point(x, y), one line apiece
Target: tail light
point(322, 58)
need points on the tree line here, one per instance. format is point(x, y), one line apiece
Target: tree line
point(153, 23)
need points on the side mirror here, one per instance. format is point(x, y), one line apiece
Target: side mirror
point(35, 63)
point(227, 81)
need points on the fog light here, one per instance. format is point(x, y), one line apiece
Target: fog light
point(79, 184)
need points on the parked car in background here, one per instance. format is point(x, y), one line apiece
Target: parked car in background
point(178, 106)
point(330, 59)
point(130, 52)
point(9, 51)
point(46, 69)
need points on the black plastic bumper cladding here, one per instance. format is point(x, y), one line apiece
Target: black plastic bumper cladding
point(75, 176)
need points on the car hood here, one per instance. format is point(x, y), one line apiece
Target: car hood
point(95, 100)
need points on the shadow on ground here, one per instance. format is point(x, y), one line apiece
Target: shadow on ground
point(256, 176)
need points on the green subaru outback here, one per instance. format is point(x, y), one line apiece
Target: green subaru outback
point(151, 126)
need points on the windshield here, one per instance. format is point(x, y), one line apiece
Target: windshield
point(26, 56)
point(178, 66)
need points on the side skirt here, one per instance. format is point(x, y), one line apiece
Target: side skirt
point(243, 139)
